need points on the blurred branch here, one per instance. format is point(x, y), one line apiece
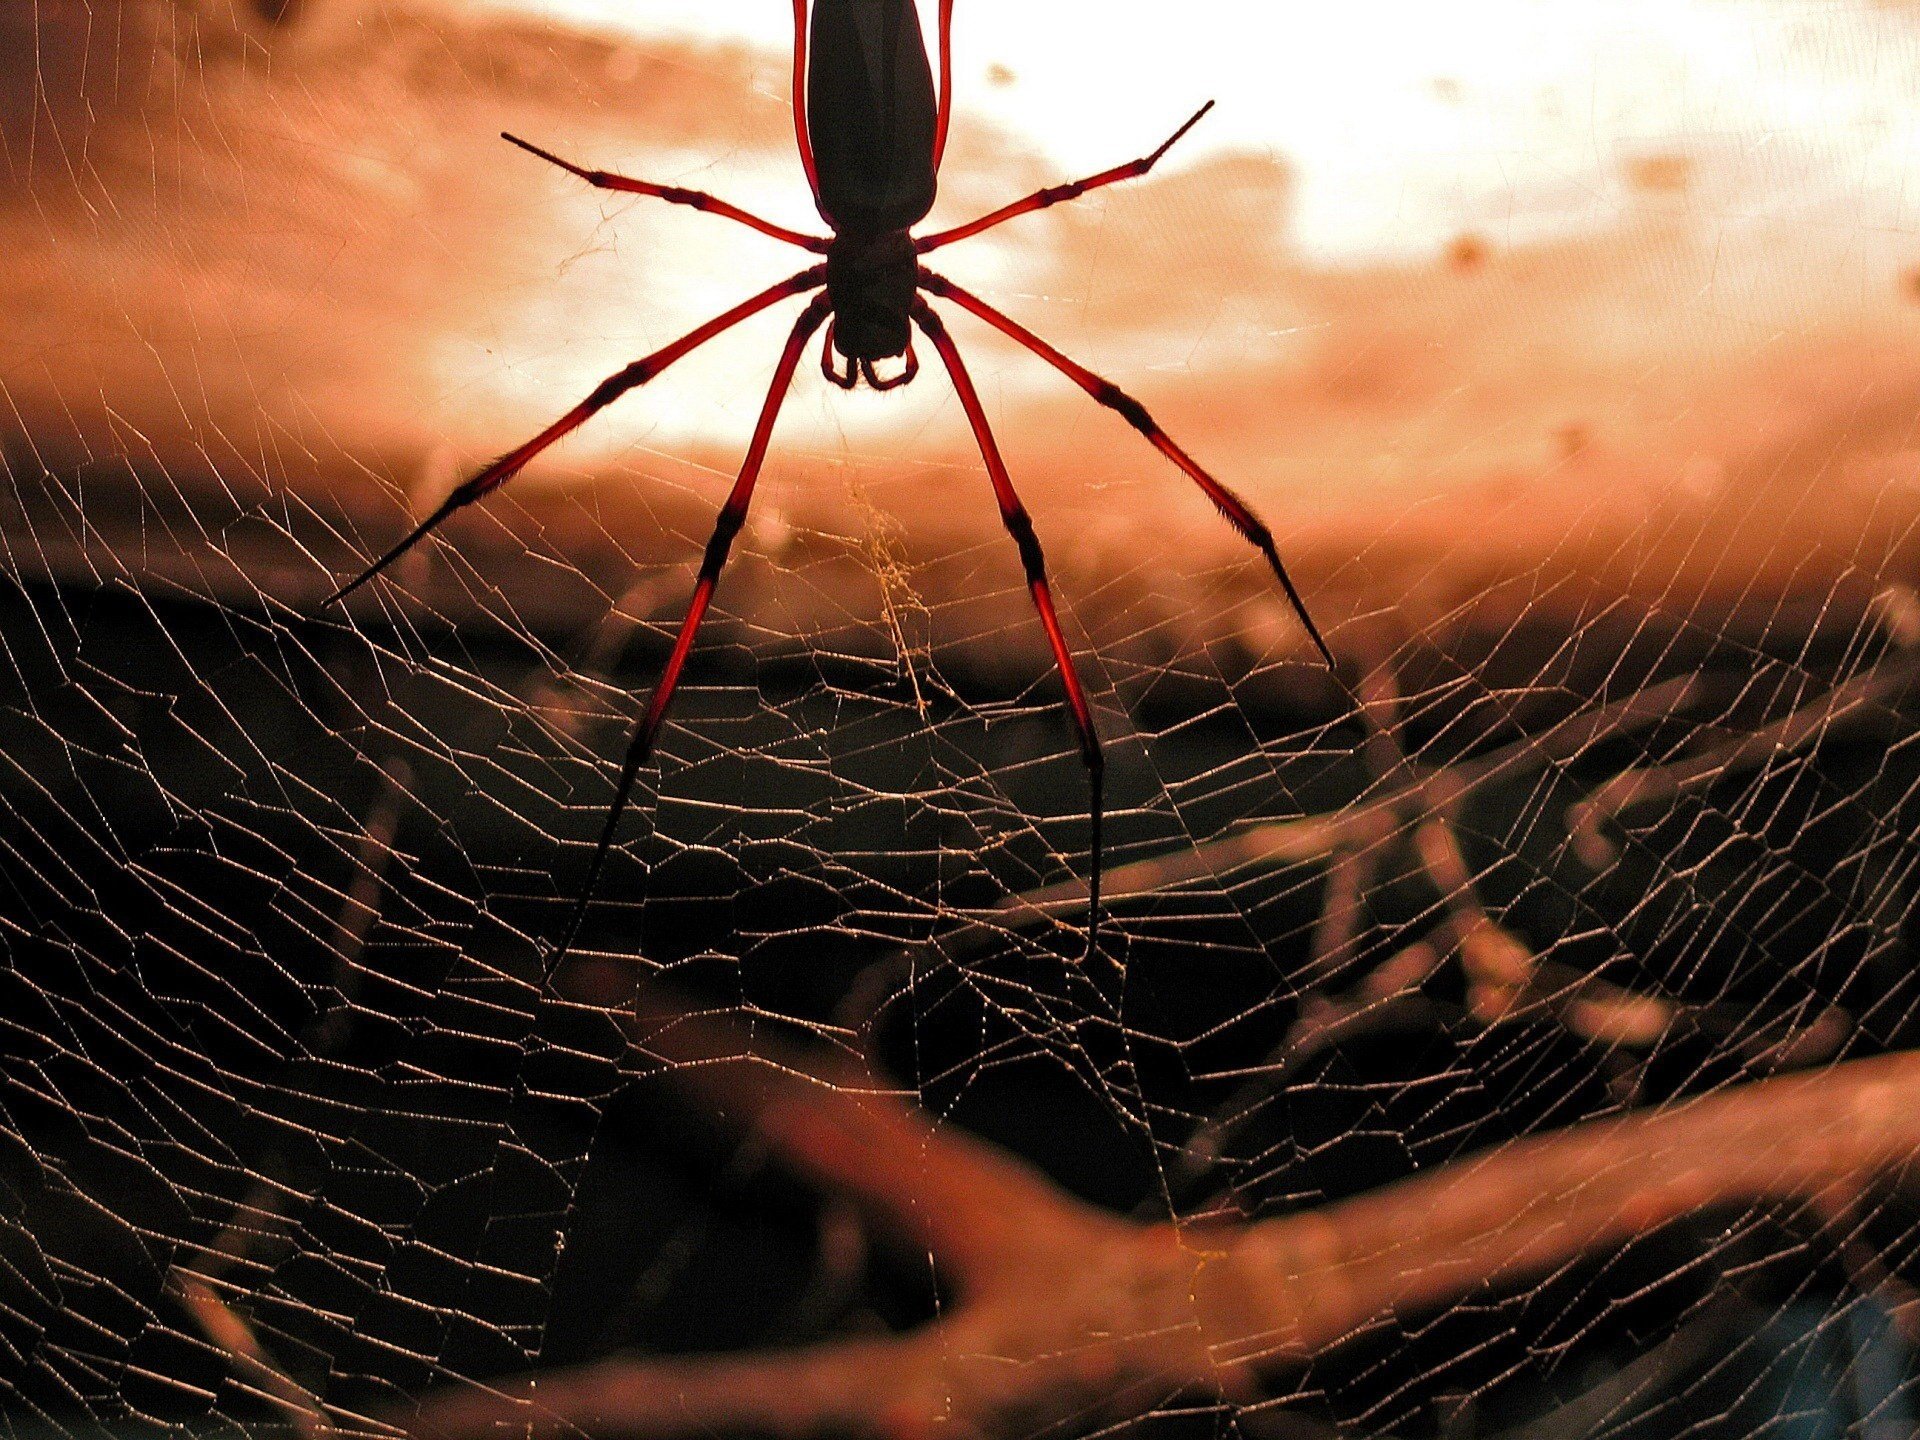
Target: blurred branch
point(1063, 1313)
point(202, 1285)
point(1059, 1313)
point(1309, 839)
point(1505, 978)
point(1862, 707)
point(227, 1328)
point(1504, 975)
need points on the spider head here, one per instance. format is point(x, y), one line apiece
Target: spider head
point(871, 279)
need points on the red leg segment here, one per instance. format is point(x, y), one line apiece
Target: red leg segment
point(910, 367)
point(608, 391)
point(1237, 511)
point(946, 84)
point(846, 379)
point(732, 516)
point(1014, 516)
point(1055, 194)
point(800, 135)
point(673, 194)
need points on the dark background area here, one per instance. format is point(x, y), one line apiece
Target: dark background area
point(471, 1175)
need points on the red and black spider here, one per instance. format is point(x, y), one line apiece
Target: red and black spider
point(871, 137)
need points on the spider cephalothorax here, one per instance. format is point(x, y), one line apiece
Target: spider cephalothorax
point(872, 280)
point(871, 137)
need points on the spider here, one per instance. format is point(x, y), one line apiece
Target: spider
point(871, 137)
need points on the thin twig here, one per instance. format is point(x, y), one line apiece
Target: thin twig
point(1309, 839)
point(198, 1285)
point(1860, 707)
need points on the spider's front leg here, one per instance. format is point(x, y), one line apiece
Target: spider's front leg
point(674, 195)
point(1013, 514)
point(1057, 194)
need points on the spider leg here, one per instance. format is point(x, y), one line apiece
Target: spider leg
point(1055, 194)
point(1014, 516)
point(910, 367)
point(604, 394)
point(1239, 514)
point(946, 83)
point(673, 194)
point(732, 516)
point(800, 135)
point(845, 380)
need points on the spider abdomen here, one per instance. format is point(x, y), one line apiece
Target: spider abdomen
point(871, 114)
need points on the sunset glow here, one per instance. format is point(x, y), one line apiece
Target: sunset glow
point(1557, 265)
point(1404, 122)
point(1373, 140)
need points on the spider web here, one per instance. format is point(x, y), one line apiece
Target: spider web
point(1584, 411)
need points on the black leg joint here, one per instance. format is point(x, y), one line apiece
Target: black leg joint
point(618, 383)
point(924, 315)
point(468, 491)
point(1031, 556)
point(1128, 408)
point(721, 544)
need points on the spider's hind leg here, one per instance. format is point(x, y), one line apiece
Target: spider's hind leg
point(675, 195)
point(1055, 194)
point(733, 515)
point(1237, 512)
point(1013, 514)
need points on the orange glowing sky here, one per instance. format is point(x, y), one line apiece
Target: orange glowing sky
point(1404, 122)
point(1495, 285)
point(1692, 209)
